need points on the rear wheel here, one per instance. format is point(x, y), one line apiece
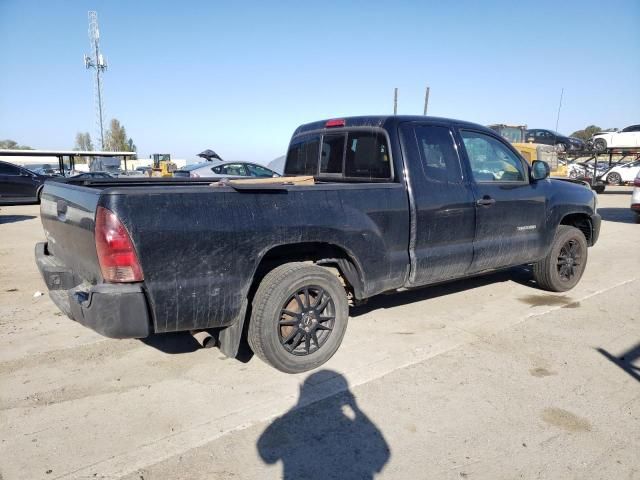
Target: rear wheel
point(564, 265)
point(600, 145)
point(614, 178)
point(299, 316)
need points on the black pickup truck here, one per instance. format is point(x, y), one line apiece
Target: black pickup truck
point(397, 202)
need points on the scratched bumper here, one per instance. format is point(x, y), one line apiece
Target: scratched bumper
point(112, 310)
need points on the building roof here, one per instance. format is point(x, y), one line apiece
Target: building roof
point(64, 153)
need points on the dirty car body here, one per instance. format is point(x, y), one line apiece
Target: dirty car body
point(398, 202)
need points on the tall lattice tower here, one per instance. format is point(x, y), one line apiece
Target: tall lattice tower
point(96, 61)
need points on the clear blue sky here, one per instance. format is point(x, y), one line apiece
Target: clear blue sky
point(238, 77)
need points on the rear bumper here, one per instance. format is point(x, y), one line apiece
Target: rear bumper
point(113, 310)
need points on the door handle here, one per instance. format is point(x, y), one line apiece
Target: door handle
point(486, 201)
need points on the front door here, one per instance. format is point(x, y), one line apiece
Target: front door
point(15, 184)
point(510, 210)
point(442, 244)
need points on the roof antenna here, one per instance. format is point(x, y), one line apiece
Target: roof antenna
point(426, 101)
point(559, 107)
point(395, 101)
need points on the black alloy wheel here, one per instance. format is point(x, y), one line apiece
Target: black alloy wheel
point(569, 260)
point(306, 320)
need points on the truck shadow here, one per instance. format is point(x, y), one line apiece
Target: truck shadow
point(15, 218)
point(521, 275)
point(325, 435)
point(172, 343)
point(619, 215)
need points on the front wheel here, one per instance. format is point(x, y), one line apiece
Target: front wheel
point(562, 268)
point(299, 316)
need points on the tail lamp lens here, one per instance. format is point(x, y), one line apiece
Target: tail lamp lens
point(118, 260)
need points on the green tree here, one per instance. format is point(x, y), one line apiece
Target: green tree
point(83, 142)
point(586, 133)
point(13, 145)
point(116, 138)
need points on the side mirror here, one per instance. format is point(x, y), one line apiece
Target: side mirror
point(540, 170)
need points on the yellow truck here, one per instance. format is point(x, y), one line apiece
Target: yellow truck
point(515, 134)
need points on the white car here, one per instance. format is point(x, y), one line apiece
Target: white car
point(635, 197)
point(624, 173)
point(225, 170)
point(626, 138)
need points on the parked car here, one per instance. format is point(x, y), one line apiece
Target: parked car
point(399, 202)
point(628, 137)
point(92, 175)
point(624, 173)
point(549, 137)
point(18, 185)
point(635, 197)
point(225, 169)
point(585, 169)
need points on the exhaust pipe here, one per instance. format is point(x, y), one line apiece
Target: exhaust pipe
point(204, 338)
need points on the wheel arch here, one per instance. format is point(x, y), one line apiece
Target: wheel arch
point(323, 254)
point(581, 221)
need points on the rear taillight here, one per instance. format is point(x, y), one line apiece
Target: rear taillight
point(117, 257)
point(636, 182)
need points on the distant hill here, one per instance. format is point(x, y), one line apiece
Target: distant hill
point(277, 164)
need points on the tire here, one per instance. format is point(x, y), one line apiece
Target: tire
point(573, 174)
point(562, 268)
point(312, 331)
point(614, 179)
point(600, 145)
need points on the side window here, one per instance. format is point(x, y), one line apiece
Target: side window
point(367, 156)
point(541, 134)
point(258, 171)
point(217, 169)
point(302, 157)
point(6, 169)
point(440, 161)
point(332, 154)
point(235, 169)
point(490, 160)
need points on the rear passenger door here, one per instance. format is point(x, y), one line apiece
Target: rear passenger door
point(443, 203)
point(510, 210)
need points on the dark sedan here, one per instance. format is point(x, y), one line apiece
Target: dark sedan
point(19, 186)
point(549, 137)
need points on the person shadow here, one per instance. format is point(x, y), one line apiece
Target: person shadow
point(325, 439)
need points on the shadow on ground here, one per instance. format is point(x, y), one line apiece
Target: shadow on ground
point(521, 275)
point(626, 360)
point(15, 218)
point(619, 215)
point(173, 343)
point(325, 439)
point(616, 192)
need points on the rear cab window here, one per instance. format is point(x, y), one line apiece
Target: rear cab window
point(359, 155)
